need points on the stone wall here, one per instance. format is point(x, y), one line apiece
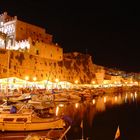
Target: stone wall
point(75, 66)
point(49, 51)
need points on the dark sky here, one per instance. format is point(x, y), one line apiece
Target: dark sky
point(109, 31)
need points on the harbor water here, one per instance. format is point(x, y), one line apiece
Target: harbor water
point(97, 119)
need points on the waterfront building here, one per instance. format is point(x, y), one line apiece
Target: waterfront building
point(29, 57)
point(20, 35)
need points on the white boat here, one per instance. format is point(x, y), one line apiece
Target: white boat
point(23, 97)
point(27, 122)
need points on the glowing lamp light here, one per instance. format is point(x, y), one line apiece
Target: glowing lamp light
point(93, 82)
point(61, 105)
point(56, 80)
point(27, 78)
point(34, 78)
point(76, 81)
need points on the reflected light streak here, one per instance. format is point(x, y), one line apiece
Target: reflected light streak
point(126, 98)
point(133, 98)
point(57, 110)
point(116, 98)
point(131, 95)
point(93, 101)
point(104, 99)
point(76, 105)
point(100, 106)
point(136, 95)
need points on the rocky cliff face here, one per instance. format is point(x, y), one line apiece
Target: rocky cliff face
point(75, 66)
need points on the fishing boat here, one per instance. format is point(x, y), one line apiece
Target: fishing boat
point(28, 122)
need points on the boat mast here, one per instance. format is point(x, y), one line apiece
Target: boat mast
point(82, 130)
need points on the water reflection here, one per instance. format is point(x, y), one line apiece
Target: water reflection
point(57, 110)
point(100, 104)
point(98, 115)
point(93, 101)
point(89, 110)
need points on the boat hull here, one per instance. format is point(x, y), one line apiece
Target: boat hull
point(43, 124)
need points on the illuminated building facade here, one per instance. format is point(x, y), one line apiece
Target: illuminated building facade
point(28, 56)
point(19, 35)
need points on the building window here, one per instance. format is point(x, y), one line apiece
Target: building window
point(37, 52)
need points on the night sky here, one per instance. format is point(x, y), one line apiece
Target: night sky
point(108, 31)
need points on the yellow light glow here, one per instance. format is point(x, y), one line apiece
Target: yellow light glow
point(93, 82)
point(126, 96)
point(135, 94)
point(76, 105)
point(61, 105)
point(104, 99)
point(116, 98)
point(93, 101)
point(56, 80)
point(76, 81)
point(34, 78)
point(136, 83)
point(57, 110)
point(26, 78)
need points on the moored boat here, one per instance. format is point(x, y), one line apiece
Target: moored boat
point(28, 122)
